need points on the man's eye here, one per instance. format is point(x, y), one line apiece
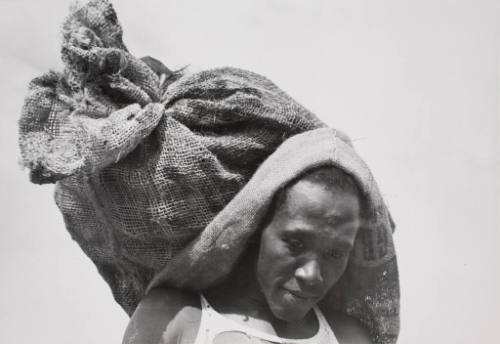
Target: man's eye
point(294, 245)
point(336, 254)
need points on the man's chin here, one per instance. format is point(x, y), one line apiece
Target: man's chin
point(289, 315)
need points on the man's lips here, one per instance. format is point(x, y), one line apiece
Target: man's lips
point(301, 295)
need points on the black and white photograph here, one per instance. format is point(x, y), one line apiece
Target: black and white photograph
point(243, 172)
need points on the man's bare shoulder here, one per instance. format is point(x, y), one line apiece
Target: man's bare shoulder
point(162, 315)
point(169, 299)
point(347, 329)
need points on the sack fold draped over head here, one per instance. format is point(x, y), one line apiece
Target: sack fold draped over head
point(157, 172)
point(370, 284)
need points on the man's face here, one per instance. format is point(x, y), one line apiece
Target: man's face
point(305, 249)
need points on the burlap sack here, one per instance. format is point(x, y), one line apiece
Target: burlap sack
point(144, 159)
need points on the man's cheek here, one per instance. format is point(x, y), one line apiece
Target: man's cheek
point(336, 273)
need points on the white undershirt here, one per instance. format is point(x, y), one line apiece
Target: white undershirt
point(213, 323)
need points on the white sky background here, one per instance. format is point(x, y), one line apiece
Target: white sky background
point(414, 83)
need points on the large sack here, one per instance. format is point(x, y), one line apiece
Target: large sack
point(144, 159)
point(141, 168)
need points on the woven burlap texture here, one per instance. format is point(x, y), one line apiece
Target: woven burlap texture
point(142, 165)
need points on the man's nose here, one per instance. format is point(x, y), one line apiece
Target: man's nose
point(309, 273)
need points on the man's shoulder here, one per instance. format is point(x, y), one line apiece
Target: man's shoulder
point(347, 329)
point(163, 314)
point(184, 314)
point(179, 308)
point(172, 300)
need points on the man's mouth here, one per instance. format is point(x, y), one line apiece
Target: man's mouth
point(301, 295)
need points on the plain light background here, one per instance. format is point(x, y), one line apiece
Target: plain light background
point(414, 83)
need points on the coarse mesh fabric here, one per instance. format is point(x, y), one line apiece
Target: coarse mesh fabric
point(144, 159)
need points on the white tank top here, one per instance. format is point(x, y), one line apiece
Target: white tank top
point(213, 324)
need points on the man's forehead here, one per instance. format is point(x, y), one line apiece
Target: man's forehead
point(312, 189)
point(316, 200)
point(299, 223)
point(344, 234)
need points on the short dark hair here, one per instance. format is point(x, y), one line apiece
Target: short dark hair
point(331, 177)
